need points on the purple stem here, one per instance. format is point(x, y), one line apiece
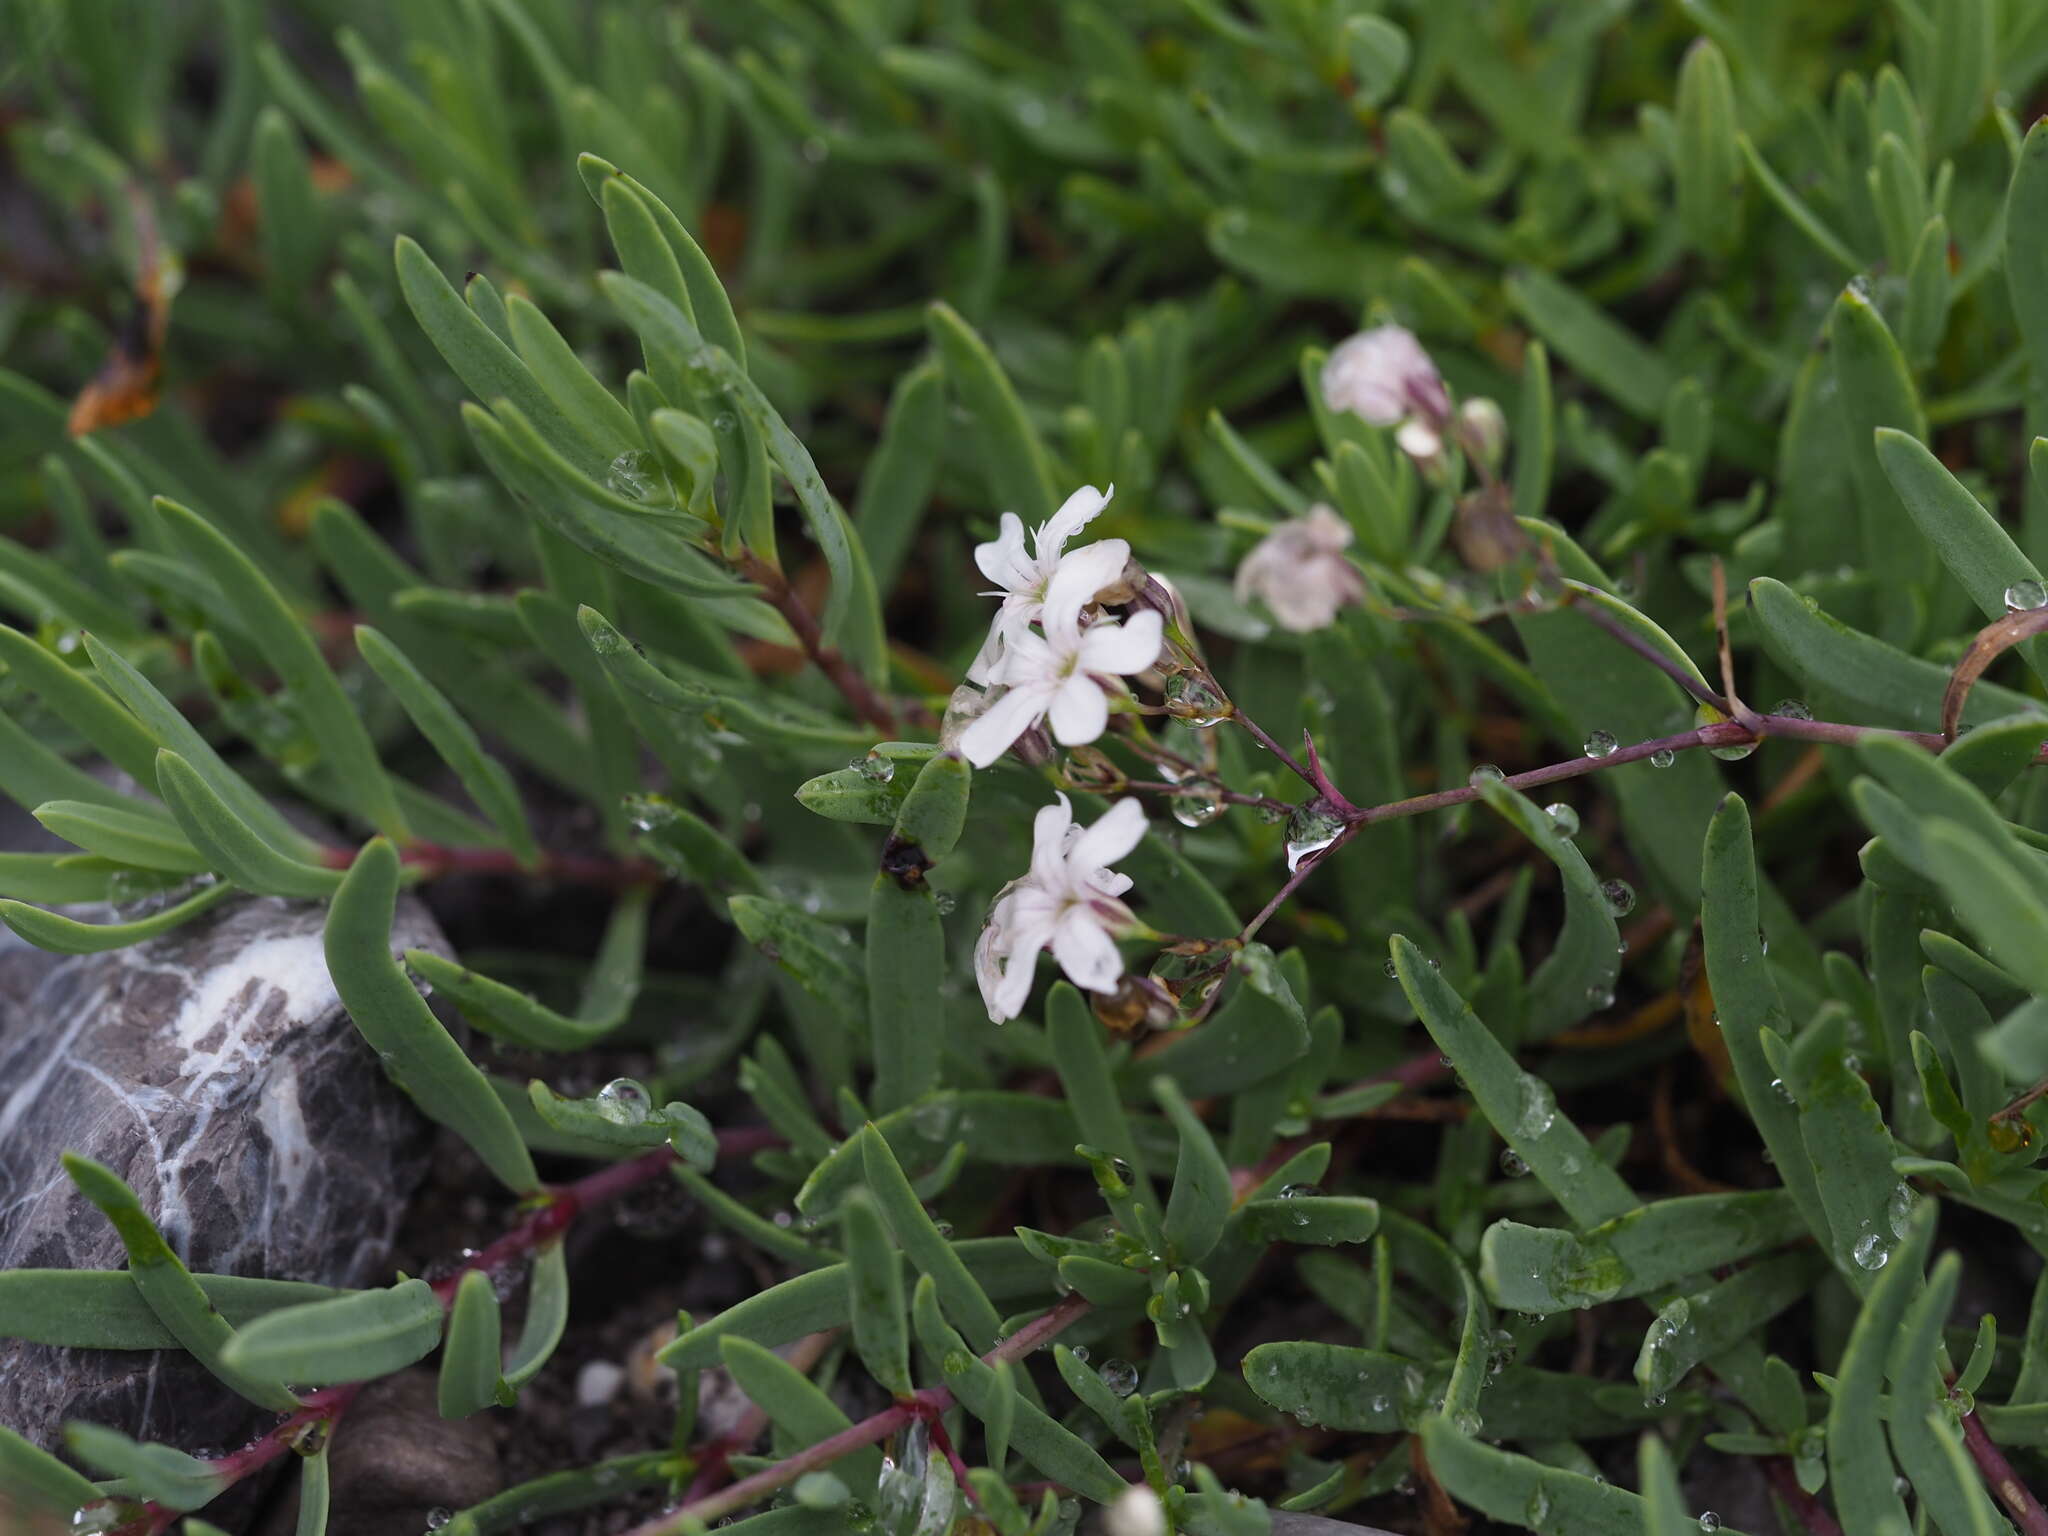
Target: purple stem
point(927, 1403)
point(1258, 734)
point(2012, 1493)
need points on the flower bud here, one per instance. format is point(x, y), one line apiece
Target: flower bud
point(1483, 431)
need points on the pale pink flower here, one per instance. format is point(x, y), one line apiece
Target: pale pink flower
point(1385, 376)
point(1300, 571)
point(1069, 902)
point(1024, 574)
point(1060, 677)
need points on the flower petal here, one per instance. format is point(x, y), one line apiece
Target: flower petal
point(1086, 572)
point(1079, 712)
point(1075, 513)
point(1085, 952)
point(998, 727)
point(1027, 940)
point(1115, 833)
point(1124, 648)
point(1004, 560)
point(1049, 841)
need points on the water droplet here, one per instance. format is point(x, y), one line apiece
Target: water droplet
point(1792, 709)
point(623, 1101)
point(1709, 1521)
point(1196, 701)
point(1199, 803)
point(1312, 828)
point(437, 1517)
point(1763, 942)
point(725, 423)
point(1564, 818)
point(1081, 1353)
point(1381, 1403)
point(1601, 744)
point(633, 475)
point(1783, 1090)
point(1539, 1108)
point(1467, 1422)
point(1621, 897)
point(1393, 971)
point(1654, 1400)
point(94, 1518)
point(2023, 595)
point(2009, 1133)
point(943, 1228)
point(1537, 1510)
point(1122, 1169)
point(945, 901)
point(874, 767)
point(1484, 773)
point(1870, 1252)
point(1512, 1163)
point(1960, 1402)
point(1300, 1191)
point(1120, 1376)
point(1663, 757)
point(1898, 1210)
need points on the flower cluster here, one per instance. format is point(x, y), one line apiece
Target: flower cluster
point(1058, 673)
point(1069, 902)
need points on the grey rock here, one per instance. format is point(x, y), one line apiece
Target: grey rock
point(215, 1070)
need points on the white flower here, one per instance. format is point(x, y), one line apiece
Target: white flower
point(1385, 376)
point(1023, 575)
point(1300, 570)
point(1059, 677)
point(1068, 902)
point(1137, 1512)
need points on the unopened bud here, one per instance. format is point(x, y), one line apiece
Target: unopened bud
point(1483, 431)
point(1137, 1512)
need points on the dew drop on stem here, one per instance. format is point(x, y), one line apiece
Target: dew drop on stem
point(2024, 595)
point(1601, 744)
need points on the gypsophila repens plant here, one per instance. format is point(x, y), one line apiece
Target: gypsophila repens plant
point(1148, 625)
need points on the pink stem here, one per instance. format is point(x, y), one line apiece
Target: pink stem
point(927, 1403)
point(2012, 1493)
point(542, 1225)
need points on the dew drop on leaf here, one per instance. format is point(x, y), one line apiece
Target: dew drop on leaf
point(623, 1101)
point(1512, 1163)
point(2024, 595)
point(1621, 897)
point(1709, 1521)
point(1870, 1252)
point(1300, 1191)
point(1120, 1376)
point(1564, 818)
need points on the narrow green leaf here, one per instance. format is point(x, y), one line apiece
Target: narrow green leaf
point(317, 697)
point(122, 836)
point(2003, 908)
point(1708, 166)
point(168, 1287)
point(82, 704)
point(352, 1338)
point(807, 1303)
point(1803, 218)
point(896, 486)
point(796, 1407)
point(470, 1355)
point(1663, 1507)
point(1054, 1451)
point(1695, 1327)
point(397, 1023)
point(1323, 1220)
point(159, 1473)
point(1609, 357)
point(920, 1239)
point(313, 1495)
point(1085, 1080)
point(1199, 1202)
point(1978, 552)
point(1747, 1000)
point(1520, 1104)
point(1922, 1432)
point(1876, 389)
point(906, 962)
point(173, 732)
point(547, 1314)
point(486, 779)
point(1581, 968)
point(1017, 469)
point(1522, 1491)
point(102, 1309)
point(1543, 1269)
point(36, 1480)
point(562, 1493)
point(67, 936)
point(229, 844)
point(880, 1314)
point(592, 411)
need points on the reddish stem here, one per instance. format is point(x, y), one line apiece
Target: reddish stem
point(544, 1224)
point(1813, 1515)
point(927, 1404)
point(2018, 1499)
point(855, 689)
